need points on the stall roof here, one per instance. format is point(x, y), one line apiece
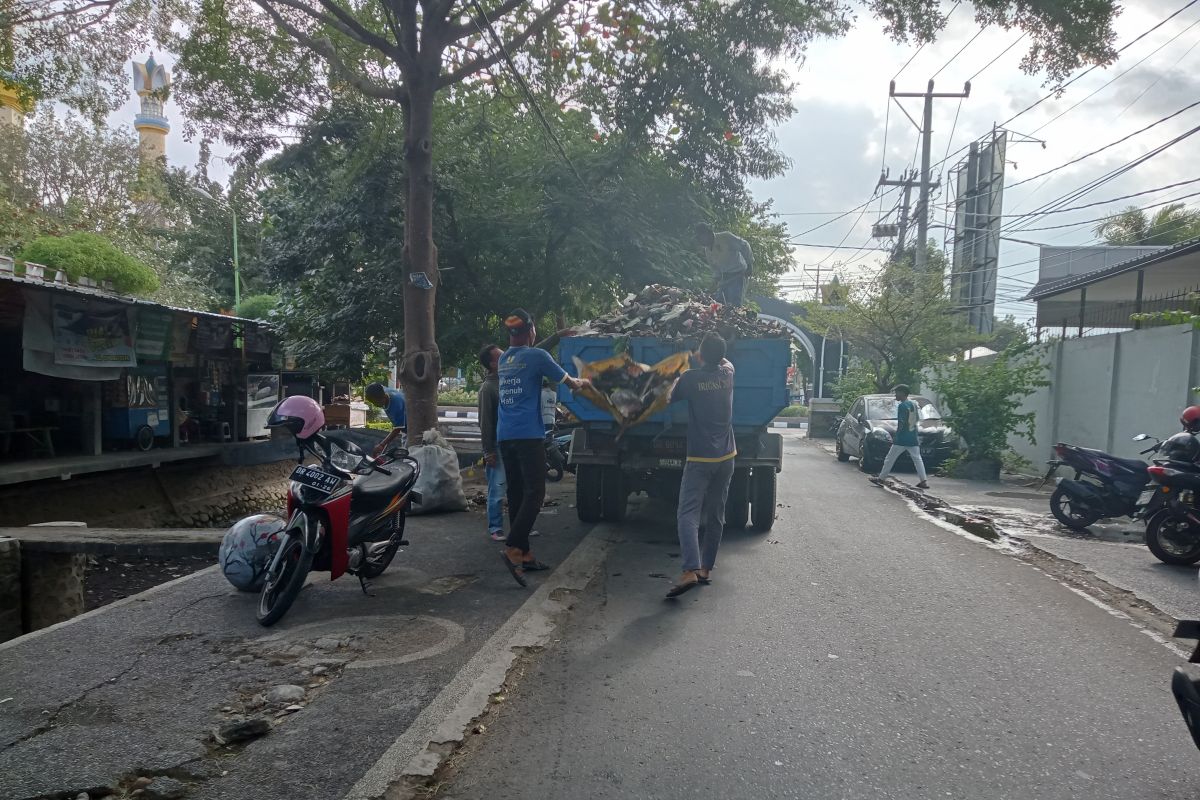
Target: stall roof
point(100, 294)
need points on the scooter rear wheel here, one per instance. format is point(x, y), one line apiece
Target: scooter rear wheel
point(1069, 512)
point(1173, 539)
point(279, 593)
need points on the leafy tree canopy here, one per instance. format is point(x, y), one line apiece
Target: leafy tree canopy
point(89, 255)
point(1169, 225)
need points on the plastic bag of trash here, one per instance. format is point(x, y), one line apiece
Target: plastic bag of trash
point(440, 483)
point(631, 392)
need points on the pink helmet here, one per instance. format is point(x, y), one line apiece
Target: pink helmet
point(299, 414)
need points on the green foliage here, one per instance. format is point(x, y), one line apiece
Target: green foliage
point(458, 397)
point(258, 306)
point(859, 379)
point(794, 411)
point(1169, 225)
point(1008, 334)
point(983, 398)
point(898, 324)
point(93, 256)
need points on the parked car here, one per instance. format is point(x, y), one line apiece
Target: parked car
point(866, 432)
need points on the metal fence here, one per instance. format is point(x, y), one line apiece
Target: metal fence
point(1091, 318)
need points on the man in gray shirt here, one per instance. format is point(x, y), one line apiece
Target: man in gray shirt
point(711, 450)
point(731, 261)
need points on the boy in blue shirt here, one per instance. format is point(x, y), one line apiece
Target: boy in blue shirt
point(522, 435)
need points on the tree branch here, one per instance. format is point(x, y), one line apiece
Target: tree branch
point(358, 31)
point(324, 48)
point(477, 23)
point(535, 27)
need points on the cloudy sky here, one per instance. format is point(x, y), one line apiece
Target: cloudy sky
point(836, 138)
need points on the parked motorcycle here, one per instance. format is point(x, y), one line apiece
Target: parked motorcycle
point(1104, 485)
point(345, 514)
point(558, 451)
point(1171, 512)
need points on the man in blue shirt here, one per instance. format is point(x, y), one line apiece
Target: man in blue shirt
point(521, 435)
point(905, 440)
point(392, 403)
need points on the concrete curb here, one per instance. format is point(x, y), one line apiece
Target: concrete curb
point(428, 741)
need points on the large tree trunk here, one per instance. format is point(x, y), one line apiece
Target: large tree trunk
point(421, 366)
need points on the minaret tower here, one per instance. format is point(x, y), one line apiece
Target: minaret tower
point(152, 83)
point(11, 110)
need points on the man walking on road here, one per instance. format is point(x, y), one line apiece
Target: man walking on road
point(905, 439)
point(489, 402)
point(731, 261)
point(522, 436)
point(711, 450)
point(392, 403)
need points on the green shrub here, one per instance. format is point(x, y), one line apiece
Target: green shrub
point(89, 255)
point(794, 411)
point(257, 306)
point(458, 397)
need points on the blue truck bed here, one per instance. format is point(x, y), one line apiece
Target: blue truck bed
point(760, 387)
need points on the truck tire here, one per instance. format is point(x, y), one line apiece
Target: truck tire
point(587, 493)
point(762, 498)
point(737, 506)
point(614, 497)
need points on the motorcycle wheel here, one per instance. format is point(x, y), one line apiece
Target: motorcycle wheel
point(374, 567)
point(1173, 539)
point(1069, 513)
point(280, 592)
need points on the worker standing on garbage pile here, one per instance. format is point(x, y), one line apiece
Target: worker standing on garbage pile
point(711, 450)
point(731, 260)
point(522, 435)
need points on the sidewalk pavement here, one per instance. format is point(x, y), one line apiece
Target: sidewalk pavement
point(1113, 549)
point(133, 690)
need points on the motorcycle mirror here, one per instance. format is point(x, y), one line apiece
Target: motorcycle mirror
point(1141, 437)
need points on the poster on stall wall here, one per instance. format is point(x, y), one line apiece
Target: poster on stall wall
point(181, 337)
point(153, 341)
point(87, 335)
point(262, 393)
point(214, 335)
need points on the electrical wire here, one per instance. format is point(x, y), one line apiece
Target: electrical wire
point(945, 19)
point(840, 216)
point(959, 53)
point(1058, 89)
point(998, 57)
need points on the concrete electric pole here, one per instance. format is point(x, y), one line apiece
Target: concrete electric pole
point(926, 129)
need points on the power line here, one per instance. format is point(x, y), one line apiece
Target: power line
point(1154, 82)
point(1058, 89)
point(1110, 216)
point(959, 53)
point(1105, 202)
point(922, 46)
point(839, 216)
point(998, 57)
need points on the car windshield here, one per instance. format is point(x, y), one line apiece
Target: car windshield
point(879, 408)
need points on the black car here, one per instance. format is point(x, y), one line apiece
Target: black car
point(867, 430)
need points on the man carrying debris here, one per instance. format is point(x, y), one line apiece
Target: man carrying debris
point(489, 403)
point(522, 436)
point(711, 450)
point(392, 403)
point(731, 261)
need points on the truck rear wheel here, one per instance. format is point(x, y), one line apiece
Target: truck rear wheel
point(737, 506)
point(587, 493)
point(762, 498)
point(614, 496)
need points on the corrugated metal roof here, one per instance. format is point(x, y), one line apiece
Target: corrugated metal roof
point(1071, 282)
point(100, 294)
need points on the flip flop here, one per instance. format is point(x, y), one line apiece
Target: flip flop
point(680, 588)
point(515, 570)
point(533, 566)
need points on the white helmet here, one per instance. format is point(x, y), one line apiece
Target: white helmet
point(247, 550)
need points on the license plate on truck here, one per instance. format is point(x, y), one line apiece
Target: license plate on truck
point(674, 463)
point(315, 478)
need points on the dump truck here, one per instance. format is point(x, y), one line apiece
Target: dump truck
point(648, 458)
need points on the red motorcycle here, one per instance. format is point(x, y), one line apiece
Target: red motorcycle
point(345, 514)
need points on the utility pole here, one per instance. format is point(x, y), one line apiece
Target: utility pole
point(926, 129)
point(907, 182)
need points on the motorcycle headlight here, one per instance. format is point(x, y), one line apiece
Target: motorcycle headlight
point(343, 459)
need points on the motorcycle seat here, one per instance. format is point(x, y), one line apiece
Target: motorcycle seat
point(377, 488)
point(1131, 464)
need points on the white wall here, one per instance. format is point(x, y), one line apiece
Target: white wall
point(1105, 389)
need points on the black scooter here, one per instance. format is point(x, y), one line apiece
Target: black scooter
point(1104, 485)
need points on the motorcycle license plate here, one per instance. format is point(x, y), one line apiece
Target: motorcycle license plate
point(315, 479)
point(1146, 497)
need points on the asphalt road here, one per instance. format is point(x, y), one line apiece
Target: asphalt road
point(856, 651)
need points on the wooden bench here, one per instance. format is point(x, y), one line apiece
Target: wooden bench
point(43, 444)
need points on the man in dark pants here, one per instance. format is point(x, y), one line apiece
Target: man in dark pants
point(522, 436)
point(711, 450)
point(489, 404)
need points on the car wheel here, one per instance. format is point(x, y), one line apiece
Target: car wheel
point(841, 454)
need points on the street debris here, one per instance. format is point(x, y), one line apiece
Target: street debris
point(241, 731)
point(671, 313)
point(285, 693)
